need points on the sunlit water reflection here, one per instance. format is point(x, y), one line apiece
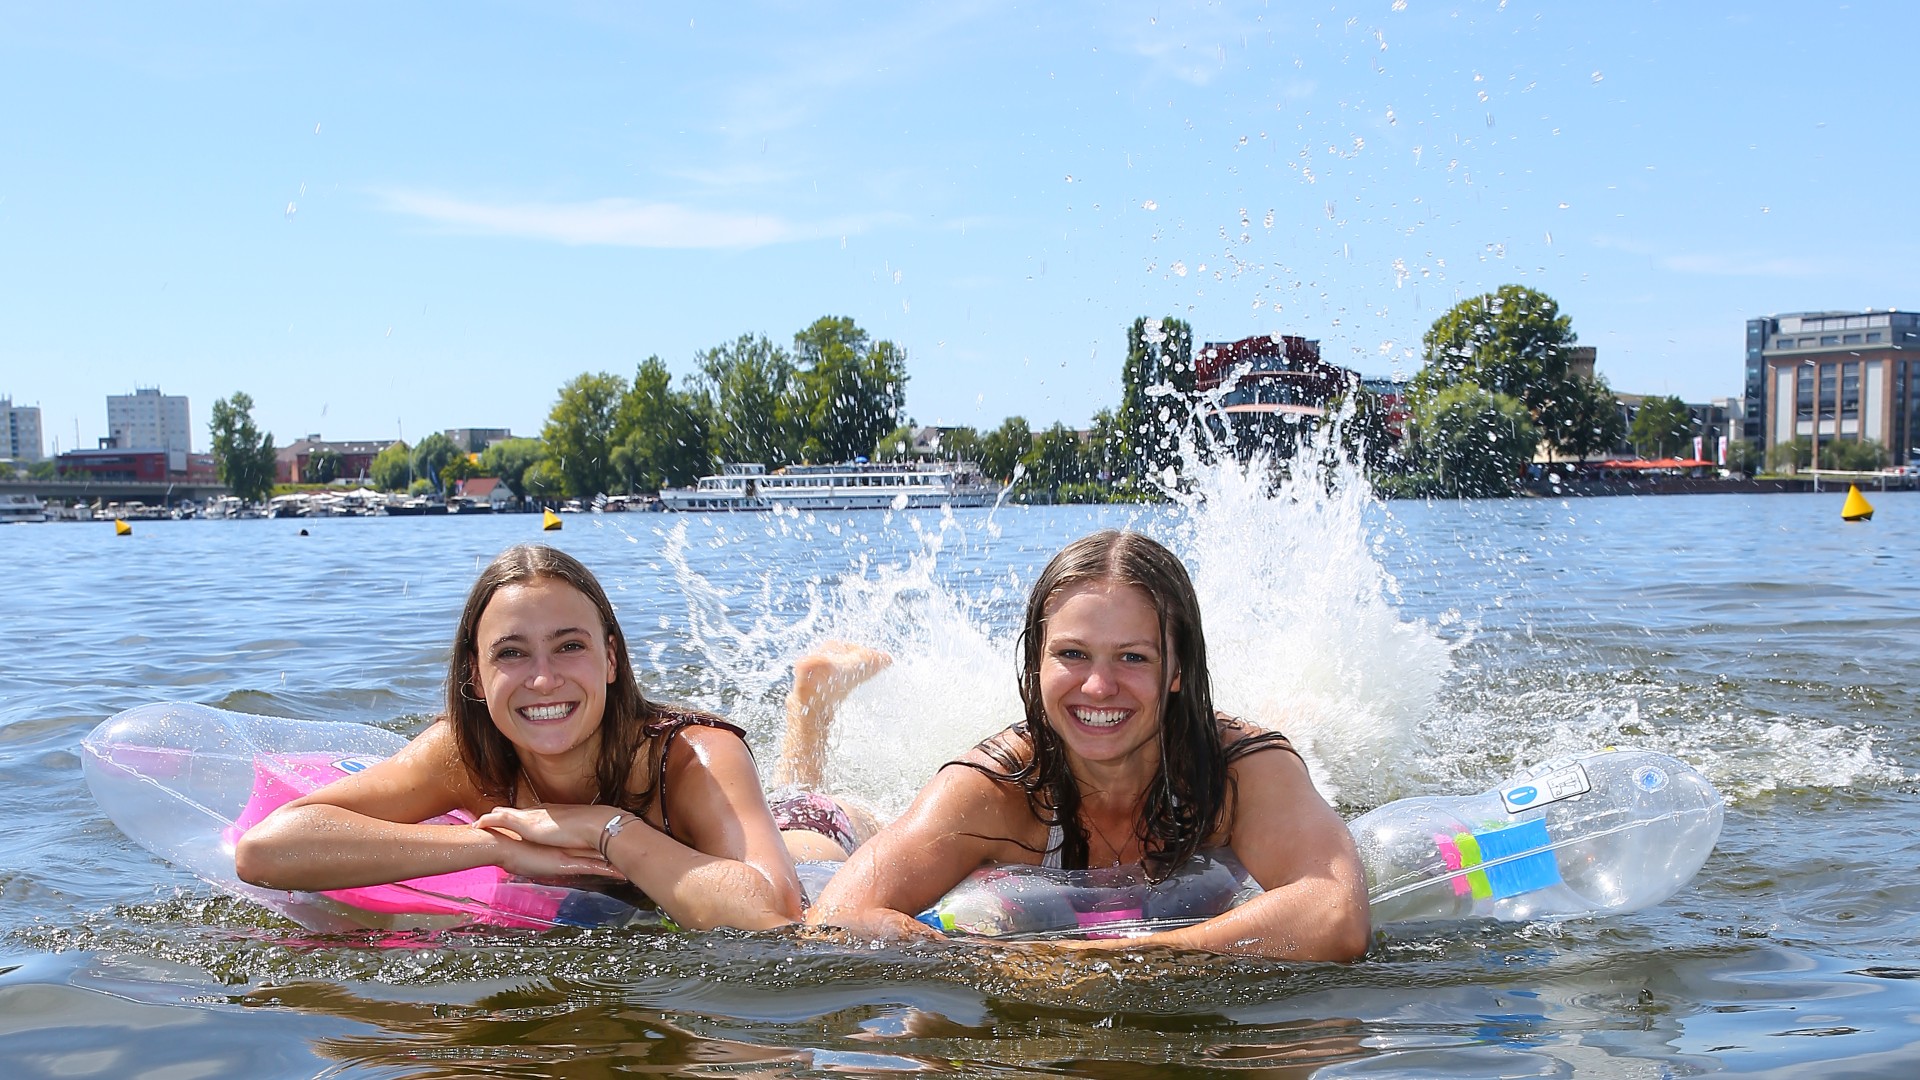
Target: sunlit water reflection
point(1409, 647)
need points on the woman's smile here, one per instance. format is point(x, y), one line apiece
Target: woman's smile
point(1101, 673)
point(543, 667)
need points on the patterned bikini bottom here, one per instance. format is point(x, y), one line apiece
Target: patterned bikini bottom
point(810, 811)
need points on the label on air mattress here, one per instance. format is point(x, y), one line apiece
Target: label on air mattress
point(1550, 786)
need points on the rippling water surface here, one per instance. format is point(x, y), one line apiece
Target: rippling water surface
point(1410, 648)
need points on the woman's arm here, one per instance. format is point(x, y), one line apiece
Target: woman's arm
point(959, 822)
point(1299, 850)
point(733, 869)
point(362, 829)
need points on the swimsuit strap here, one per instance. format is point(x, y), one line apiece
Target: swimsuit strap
point(665, 729)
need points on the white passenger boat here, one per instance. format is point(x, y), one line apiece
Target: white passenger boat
point(16, 508)
point(860, 485)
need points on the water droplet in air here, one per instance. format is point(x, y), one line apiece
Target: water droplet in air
point(1149, 205)
point(1179, 268)
point(1597, 76)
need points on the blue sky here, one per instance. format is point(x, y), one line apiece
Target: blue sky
point(385, 219)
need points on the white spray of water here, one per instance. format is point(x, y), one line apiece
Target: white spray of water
point(951, 681)
point(1303, 632)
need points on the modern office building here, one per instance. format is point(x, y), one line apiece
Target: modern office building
point(19, 431)
point(1827, 375)
point(149, 420)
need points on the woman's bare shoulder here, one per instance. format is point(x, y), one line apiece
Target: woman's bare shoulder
point(1239, 735)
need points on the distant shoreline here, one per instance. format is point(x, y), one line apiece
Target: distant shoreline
point(1684, 485)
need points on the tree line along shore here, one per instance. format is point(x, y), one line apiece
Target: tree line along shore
point(1498, 391)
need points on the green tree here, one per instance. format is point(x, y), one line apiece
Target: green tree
point(546, 484)
point(1744, 456)
point(1053, 461)
point(1662, 428)
point(431, 457)
point(510, 460)
point(462, 467)
point(1851, 455)
point(1002, 448)
point(751, 394)
point(1470, 442)
point(1790, 457)
point(242, 453)
point(1156, 386)
point(663, 432)
point(580, 433)
point(959, 444)
point(1583, 419)
point(323, 467)
point(1363, 430)
point(44, 469)
point(1512, 341)
point(1105, 449)
point(392, 468)
point(895, 445)
point(851, 391)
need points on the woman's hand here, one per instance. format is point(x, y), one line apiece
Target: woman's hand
point(554, 840)
point(883, 924)
point(561, 825)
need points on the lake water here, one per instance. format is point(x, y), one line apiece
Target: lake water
point(1410, 647)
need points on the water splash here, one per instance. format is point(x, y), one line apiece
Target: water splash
point(1304, 634)
point(1303, 629)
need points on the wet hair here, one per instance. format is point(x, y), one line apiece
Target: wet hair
point(1187, 801)
point(629, 721)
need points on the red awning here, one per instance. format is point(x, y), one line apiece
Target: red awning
point(1658, 463)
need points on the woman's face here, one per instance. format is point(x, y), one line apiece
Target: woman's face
point(543, 664)
point(1101, 668)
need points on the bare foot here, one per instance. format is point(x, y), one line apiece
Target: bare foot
point(822, 679)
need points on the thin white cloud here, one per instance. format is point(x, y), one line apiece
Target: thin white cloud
point(613, 222)
point(1195, 44)
point(802, 78)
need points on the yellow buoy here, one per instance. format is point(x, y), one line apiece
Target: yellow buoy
point(551, 522)
point(1857, 508)
point(121, 528)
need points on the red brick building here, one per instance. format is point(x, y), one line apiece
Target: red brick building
point(154, 466)
point(356, 458)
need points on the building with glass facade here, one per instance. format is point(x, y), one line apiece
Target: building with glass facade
point(1835, 375)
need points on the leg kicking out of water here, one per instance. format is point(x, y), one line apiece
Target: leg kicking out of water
point(821, 681)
